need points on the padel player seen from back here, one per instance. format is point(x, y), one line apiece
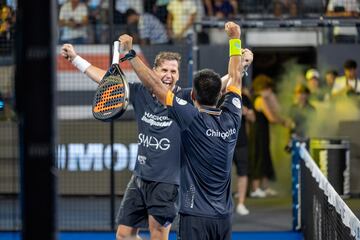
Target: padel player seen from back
point(208, 137)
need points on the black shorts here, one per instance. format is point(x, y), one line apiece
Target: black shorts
point(240, 159)
point(143, 198)
point(204, 228)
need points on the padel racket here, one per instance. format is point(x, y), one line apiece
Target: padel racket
point(112, 95)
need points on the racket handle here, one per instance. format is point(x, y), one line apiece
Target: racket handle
point(116, 53)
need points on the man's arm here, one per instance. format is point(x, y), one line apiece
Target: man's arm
point(234, 69)
point(248, 57)
point(93, 72)
point(146, 75)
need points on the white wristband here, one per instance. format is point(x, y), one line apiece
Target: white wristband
point(80, 63)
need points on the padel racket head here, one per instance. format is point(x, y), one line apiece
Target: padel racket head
point(111, 98)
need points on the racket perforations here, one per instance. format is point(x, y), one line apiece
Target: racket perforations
point(110, 97)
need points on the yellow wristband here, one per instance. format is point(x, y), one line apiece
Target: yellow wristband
point(234, 47)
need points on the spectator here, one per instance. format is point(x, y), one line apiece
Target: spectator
point(312, 77)
point(241, 154)
point(73, 21)
point(150, 29)
point(99, 20)
point(301, 112)
point(290, 5)
point(349, 83)
point(221, 8)
point(7, 20)
point(267, 111)
point(330, 77)
point(343, 8)
point(160, 10)
point(181, 16)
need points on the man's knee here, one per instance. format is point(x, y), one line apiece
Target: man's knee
point(127, 233)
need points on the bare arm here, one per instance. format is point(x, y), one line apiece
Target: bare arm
point(235, 68)
point(247, 58)
point(148, 77)
point(93, 72)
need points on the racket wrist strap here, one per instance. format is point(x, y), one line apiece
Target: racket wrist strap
point(80, 63)
point(130, 55)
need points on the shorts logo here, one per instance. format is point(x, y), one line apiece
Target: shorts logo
point(236, 102)
point(180, 101)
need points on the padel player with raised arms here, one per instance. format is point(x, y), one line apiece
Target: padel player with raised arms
point(208, 137)
point(151, 198)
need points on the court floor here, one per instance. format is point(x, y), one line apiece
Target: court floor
point(145, 235)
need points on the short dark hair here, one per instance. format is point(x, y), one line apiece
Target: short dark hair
point(350, 64)
point(166, 56)
point(207, 87)
point(333, 72)
point(130, 12)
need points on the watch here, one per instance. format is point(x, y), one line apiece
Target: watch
point(130, 55)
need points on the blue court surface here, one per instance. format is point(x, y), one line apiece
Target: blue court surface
point(145, 235)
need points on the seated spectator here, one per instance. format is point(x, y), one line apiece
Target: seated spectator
point(343, 8)
point(181, 17)
point(349, 83)
point(289, 5)
point(150, 29)
point(73, 22)
point(222, 9)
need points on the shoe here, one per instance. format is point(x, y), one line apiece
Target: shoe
point(258, 193)
point(242, 210)
point(271, 192)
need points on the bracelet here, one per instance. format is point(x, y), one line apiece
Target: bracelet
point(80, 63)
point(130, 55)
point(234, 47)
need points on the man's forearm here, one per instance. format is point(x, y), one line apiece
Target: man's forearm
point(234, 73)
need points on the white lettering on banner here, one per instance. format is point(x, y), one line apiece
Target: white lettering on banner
point(154, 120)
point(95, 157)
point(217, 133)
point(153, 142)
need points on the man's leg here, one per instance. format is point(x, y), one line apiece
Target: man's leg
point(157, 231)
point(127, 233)
point(132, 213)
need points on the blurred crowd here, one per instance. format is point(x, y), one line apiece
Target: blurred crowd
point(311, 105)
point(171, 21)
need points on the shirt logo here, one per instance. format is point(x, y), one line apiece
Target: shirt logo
point(217, 133)
point(155, 120)
point(153, 142)
point(180, 101)
point(236, 102)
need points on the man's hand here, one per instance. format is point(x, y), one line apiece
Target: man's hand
point(68, 52)
point(125, 42)
point(233, 30)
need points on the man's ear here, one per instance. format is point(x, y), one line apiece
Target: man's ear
point(192, 95)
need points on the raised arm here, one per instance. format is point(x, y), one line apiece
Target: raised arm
point(93, 72)
point(247, 58)
point(146, 75)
